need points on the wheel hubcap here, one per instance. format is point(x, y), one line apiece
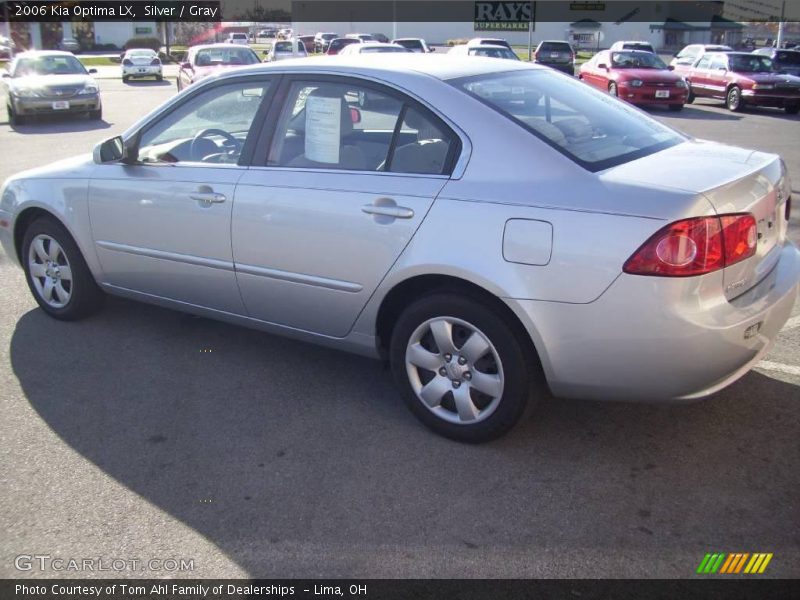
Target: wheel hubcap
point(454, 370)
point(50, 271)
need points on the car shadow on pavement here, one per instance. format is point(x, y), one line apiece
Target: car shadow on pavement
point(295, 459)
point(58, 124)
point(148, 83)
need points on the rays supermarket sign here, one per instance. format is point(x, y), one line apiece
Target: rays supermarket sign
point(503, 15)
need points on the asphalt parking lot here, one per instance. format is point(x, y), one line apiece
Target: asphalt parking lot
point(148, 434)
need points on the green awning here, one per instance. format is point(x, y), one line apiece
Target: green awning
point(718, 22)
point(672, 25)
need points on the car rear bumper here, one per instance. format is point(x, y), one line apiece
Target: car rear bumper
point(660, 339)
point(41, 106)
point(145, 71)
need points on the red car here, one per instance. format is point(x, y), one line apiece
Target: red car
point(337, 44)
point(203, 61)
point(639, 77)
point(740, 79)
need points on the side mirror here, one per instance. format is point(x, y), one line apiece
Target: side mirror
point(186, 65)
point(355, 115)
point(671, 67)
point(675, 54)
point(5, 75)
point(431, 49)
point(92, 71)
point(265, 53)
point(114, 150)
point(602, 66)
point(723, 69)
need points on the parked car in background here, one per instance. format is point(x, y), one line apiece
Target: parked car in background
point(141, 62)
point(481, 41)
point(338, 44)
point(269, 32)
point(689, 54)
point(556, 55)
point(637, 76)
point(414, 44)
point(69, 44)
point(285, 49)
point(486, 50)
point(364, 37)
point(634, 263)
point(323, 39)
point(209, 59)
point(285, 34)
point(49, 82)
point(372, 48)
point(742, 79)
point(379, 37)
point(237, 38)
point(784, 61)
point(308, 42)
point(7, 48)
point(643, 46)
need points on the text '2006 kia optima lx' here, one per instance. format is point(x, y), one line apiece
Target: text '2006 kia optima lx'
point(490, 227)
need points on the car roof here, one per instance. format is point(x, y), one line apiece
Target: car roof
point(490, 47)
point(441, 67)
point(220, 45)
point(140, 50)
point(630, 51)
point(409, 39)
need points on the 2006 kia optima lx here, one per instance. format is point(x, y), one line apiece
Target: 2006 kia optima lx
point(478, 222)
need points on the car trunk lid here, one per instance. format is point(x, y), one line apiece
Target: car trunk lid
point(733, 180)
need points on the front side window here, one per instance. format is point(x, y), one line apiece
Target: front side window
point(210, 128)
point(592, 128)
point(704, 63)
point(327, 125)
point(718, 62)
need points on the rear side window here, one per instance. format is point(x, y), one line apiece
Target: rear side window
point(592, 128)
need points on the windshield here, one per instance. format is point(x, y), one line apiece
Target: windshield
point(749, 63)
point(494, 53)
point(328, 36)
point(636, 60)
point(643, 47)
point(49, 65)
point(225, 56)
point(411, 44)
point(592, 128)
point(373, 49)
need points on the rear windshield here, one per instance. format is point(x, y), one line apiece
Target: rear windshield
point(590, 127)
point(555, 47)
point(342, 42)
point(788, 58)
point(409, 43)
point(374, 49)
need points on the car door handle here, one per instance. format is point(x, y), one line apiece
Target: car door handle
point(208, 197)
point(396, 212)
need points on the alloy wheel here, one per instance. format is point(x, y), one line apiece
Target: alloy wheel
point(50, 271)
point(454, 370)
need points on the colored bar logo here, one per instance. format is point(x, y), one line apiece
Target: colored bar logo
point(734, 563)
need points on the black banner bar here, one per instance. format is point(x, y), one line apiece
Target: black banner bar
point(714, 588)
point(668, 12)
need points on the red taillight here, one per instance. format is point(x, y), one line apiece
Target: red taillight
point(696, 246)
point(127, 62)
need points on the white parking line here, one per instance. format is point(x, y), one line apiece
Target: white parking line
point(780, 367)
point(792, 323)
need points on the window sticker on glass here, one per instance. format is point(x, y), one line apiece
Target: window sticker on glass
point(323, 127)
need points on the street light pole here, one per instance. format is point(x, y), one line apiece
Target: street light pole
point(781, 23)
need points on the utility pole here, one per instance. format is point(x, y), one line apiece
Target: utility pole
point(781, 23)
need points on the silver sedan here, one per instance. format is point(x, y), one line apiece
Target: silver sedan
point(488, 227)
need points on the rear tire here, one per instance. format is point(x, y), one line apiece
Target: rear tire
point(733, 99)
point(461, 368)
point(56, 272)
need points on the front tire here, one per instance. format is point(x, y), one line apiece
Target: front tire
point(733, 99)
point(96, 115)
point(676, 107)
point(792, 109)
point(56, 272)
point(460, 367)
point(612, 89)
point(13, 118)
